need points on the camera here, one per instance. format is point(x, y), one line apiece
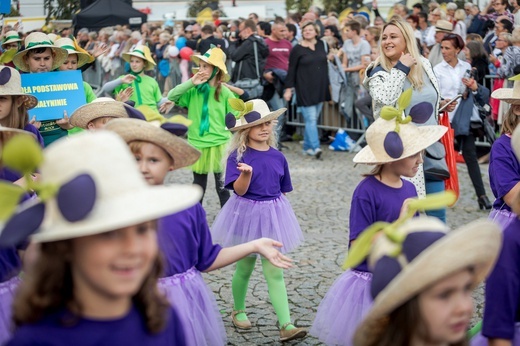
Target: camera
point(229, 34)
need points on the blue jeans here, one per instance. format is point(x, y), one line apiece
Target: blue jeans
point(433, 186)
point(311, 114)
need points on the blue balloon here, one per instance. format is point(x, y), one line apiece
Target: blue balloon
point(181, 42)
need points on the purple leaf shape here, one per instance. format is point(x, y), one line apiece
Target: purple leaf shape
point(231, 121)
point(393, 145)
point(22, 225)
point(421, 112)
point(130, 103)
point(134, 113)
point(252, 116)
point(176, 129)
point(76, 198)
point(5, 75)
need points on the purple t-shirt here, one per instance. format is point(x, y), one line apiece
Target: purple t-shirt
point(374, 201)
point(128, 330)
point(504, 170)
point(270, 177)
point(503, 288)
point(185, 241)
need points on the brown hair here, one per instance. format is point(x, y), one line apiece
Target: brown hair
point(18, 117)
point(136, 146)
point(376, 31)
point(510, 121)
point(354, 26)
point(376, 171)
point(49, 287)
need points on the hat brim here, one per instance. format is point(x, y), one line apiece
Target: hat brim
point(94, 110)
point(83, 58)
point(60, 57)
point(443, 30)
point(128, 208)
point(11, 41)
point(221, 66)
point(30, 101)
point(269, 117)
point(506, 95)
point(130, 130)
point(427, 136)
point(149, 65)
point(429, 267)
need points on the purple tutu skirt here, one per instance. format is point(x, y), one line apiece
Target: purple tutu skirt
point(480, 340)
point(243, 219)
point(7, 292)
point(502, 217)
point(343, 308)
point(197, 308)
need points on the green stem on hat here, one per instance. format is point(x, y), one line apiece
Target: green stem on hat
point(474, 331)
point(204, 90)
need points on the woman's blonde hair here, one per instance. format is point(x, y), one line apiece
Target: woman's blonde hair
point(510, 121)
point(460, 14)
point(416, 71)
point(18, 116)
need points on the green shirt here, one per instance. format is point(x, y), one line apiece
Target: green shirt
point(186, 95)
point(149, 89)
point(89, 96)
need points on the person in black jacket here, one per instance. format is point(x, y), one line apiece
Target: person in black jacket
point(242, 52)
point(207, 39)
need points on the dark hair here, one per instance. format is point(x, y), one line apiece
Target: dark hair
point(266, 27)
point(354, 26)
point(419, 6)
point(292, 28)
point(414, 18)
point(422, 15)
point(455, 40)
point(207, 29)
point(39, 51)
point(476, 50)
point(508, 26)
point(254, 15)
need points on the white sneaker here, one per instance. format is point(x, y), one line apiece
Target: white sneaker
point(309, 152)
point(317, 153)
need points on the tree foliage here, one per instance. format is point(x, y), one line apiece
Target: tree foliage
point(61, 9)
point(198, 5)
point(299, 6)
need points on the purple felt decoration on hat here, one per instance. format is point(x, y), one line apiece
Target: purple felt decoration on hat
point(5, 75)
point(76, 198)
point(134, 113)
point(417, 242)
point(393, 145)
point(130, 103)
point(252, 116)
point(231, 121)
point(385, 270)
point(421, 112)
point(176, 129)
point(21, 225)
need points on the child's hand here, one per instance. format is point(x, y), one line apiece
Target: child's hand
point(166, 107)
point(64, 122)
point(244, 168)
point(35, 123)
point(199, 78)
point(266, 248)
point(124, 95)
point(128, 79)
point(404, 208)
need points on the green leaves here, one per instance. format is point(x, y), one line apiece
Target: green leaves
point(404, 100)
point(242, 107)
point(361, 248)
point(22, 154)
point(514, 78)
point(8, 55)
point(389, 113)
point(10, 195)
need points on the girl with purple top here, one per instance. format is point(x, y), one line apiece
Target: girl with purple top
point(184, 237)
point(259, 176)
point(395, 146)
point(94, 282)
point(504, 169)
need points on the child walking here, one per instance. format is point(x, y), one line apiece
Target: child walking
point(184, 237)
point(259, 176)
point(380, 196)
point(95, 279)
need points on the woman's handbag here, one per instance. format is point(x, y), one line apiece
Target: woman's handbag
point(452, 183)
point(435, 167)
point(253, 87)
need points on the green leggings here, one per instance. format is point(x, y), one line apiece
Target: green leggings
point(275, 283)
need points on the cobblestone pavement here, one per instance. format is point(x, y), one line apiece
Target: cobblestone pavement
point(321, 199)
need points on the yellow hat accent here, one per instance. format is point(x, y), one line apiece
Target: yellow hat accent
point(215, 57)
point(142, 52)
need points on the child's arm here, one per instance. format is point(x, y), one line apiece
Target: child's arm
point(263, 246)
point(241, 185)
point(242, 94)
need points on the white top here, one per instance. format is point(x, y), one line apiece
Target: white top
point(517, 19)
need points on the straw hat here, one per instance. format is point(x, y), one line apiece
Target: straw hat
point(252, 113)
point(11, 84)
point(100, 189)
point(39, 40)
point(427, 255)
point(213, 56)
point(142, 52)
point(102, 107)
point(443, 26)
point(509, 95)
point(398, 138)
point(164, 136)
point(68, 44)
point(10, 37)
point(53, 37)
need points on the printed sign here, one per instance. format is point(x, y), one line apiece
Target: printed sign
point(56, 92)
point(5, 6)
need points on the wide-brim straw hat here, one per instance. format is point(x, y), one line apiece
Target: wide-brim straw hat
point(213, 56)
point(381, 135)
point(10, 37)
point(99, 108)
point(476, 245)
point(11, 84)
point(253, 112)
point(142, 52)
point(509, 95)
point(39, 40)
point(68, 44)
point(130, 130)
point(120, 197)
point(443, 26)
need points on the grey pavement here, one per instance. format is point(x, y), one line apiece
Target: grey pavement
point(321, 200)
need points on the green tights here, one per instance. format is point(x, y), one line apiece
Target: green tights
point(275, 284)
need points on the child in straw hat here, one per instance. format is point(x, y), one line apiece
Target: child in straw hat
point(184, 237)
point(11, 43)
point(395, 147)
point(504, 168)
point(95, 279)
point(502, 303)
point(206, 98)
point(259, 176)
point(41, 55)
point(423, 279)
